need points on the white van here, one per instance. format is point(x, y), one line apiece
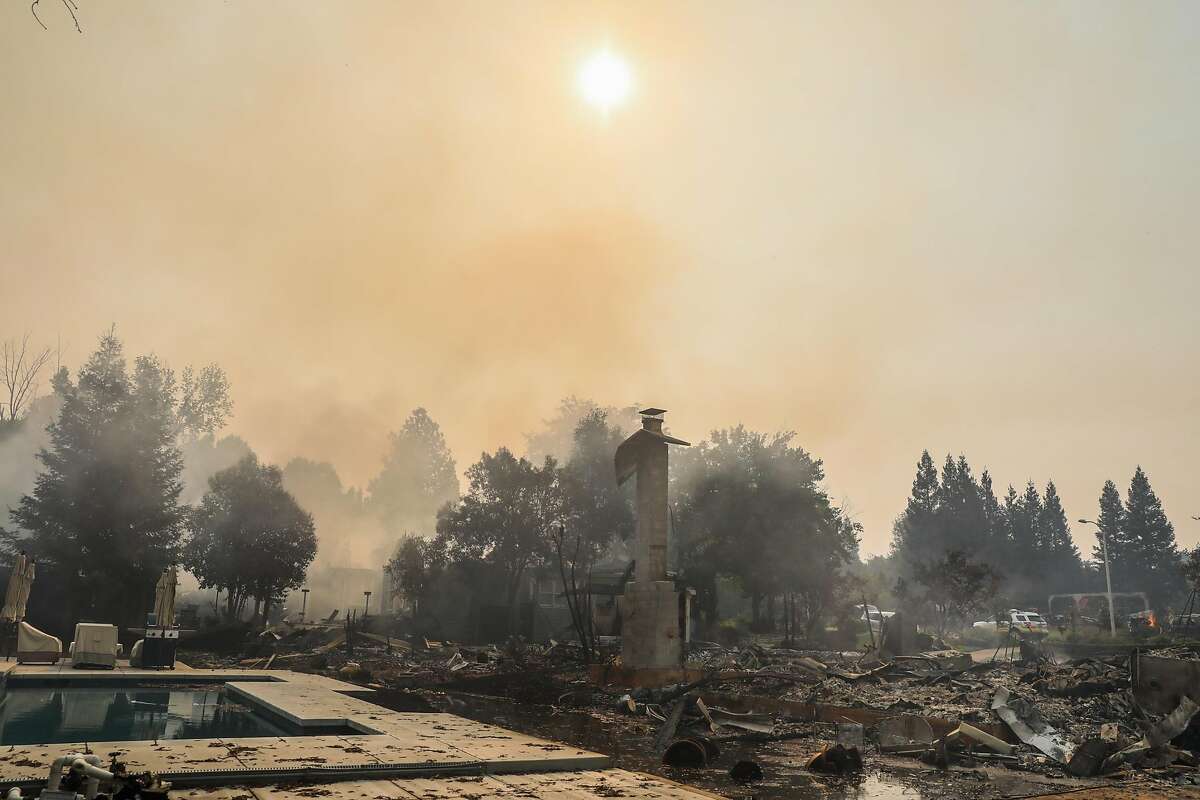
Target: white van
point(1018, 621)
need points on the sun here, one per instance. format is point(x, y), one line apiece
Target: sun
point(605, 80)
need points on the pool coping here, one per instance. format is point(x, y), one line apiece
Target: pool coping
point(64, 672)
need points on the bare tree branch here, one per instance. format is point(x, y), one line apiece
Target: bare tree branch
point(33, 10)
point(71, 9)
point(19, 372)
point(70, 5)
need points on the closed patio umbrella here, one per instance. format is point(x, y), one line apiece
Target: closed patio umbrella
point(164, 598)
point(13, 592)
point(27, 584)
point(17, 595)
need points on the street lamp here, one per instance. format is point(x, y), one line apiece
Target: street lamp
point(1112, 619)
point(303, 604)
point(367, 604)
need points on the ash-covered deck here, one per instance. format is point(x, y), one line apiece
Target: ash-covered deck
point(586, 785)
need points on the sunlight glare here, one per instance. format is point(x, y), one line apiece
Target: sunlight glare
point(605, 80)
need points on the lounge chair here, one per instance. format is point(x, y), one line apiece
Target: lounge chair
point(36, 647)
point(95, 645)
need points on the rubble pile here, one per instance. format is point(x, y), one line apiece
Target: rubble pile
point(1104, 719)
point(1078, 694)
point(376, 660)
point(1080, 719)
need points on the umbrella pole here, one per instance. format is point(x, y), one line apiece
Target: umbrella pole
point(10, 638)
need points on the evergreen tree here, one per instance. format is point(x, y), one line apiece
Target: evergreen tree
point(1024, 514)
point(1024, 540)
point(1111, 524)
point(1152, 558)
point(947, 490)
point(964, 525)
point(998, 544)
point(1063, 566)
point(105, 507)
point(1055, 531)
point(914, 531)
point(923, 500)
point(1026, 571)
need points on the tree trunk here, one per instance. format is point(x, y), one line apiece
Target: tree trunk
point(514, 588)
point(574, 600)
point(814, 621)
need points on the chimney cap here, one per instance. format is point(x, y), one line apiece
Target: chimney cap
point(652, 412)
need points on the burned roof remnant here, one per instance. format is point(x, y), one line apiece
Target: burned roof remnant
point(1027, 723)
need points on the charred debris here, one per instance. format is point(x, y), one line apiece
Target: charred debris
point(1103, 720)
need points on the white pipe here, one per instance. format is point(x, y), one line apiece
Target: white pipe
point(88, 765)
point(56, 768)
point(93, 771)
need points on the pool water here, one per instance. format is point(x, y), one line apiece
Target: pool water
point(31, 715)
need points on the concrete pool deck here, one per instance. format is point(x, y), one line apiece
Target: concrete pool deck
point(395, 755)
point(585, 785)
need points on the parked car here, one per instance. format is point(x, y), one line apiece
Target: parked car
point(1016, 620)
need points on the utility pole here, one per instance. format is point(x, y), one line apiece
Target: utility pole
point(303, 605)
point(367, 604)
point(1112, 619)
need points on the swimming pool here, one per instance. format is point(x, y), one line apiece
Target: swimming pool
point(46, 715)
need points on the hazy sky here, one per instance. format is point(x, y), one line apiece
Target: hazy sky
point(967, 227)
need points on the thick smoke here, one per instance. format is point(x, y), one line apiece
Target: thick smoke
point(19, 446)
point(352, 547)
point(851, 231)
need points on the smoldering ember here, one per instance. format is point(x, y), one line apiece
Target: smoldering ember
point(531, 399)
